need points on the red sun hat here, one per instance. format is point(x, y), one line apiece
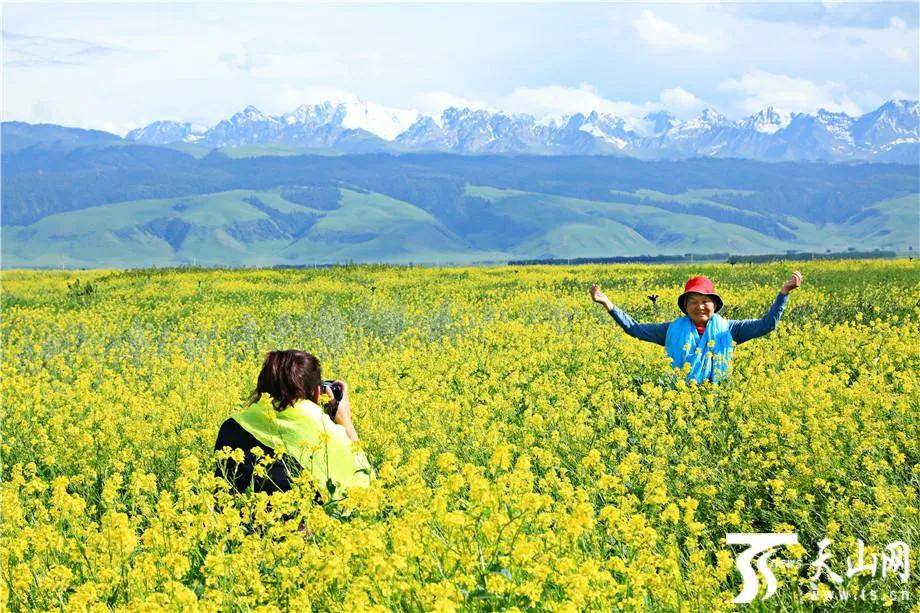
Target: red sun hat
point(699, 285)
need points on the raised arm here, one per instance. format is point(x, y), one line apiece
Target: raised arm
point(743, 330)
point(652, 333)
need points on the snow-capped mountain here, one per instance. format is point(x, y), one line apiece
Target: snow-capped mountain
point(340, 126)
point(349, 125)
point(894, 121)
point(385, 122)
point(706, 134)
point(425, 133)
point(599, 132)
point(247, 127)
point(889, 133)
point(822, 136)
point(476, 131)
point(708, 120)
point(161, 133)
point(660, 122)
point(767, 121)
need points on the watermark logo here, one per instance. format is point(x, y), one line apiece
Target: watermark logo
point(761, 544)
point(893, 561)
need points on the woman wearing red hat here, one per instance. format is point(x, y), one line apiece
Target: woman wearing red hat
point(701, 337)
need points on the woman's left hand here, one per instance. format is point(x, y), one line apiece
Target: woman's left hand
point(794, 281)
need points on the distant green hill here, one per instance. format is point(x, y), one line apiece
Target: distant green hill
point(79, 198)
point(17, 135)
point(274, 226)
point(49, 179)
point(253, 151)
point(235, 228)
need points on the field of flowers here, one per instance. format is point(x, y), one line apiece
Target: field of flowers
point(529, 454)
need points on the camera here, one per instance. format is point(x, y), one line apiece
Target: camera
point(334, 388)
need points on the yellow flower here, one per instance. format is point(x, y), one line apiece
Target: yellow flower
point(671, 513)
point(516, 466)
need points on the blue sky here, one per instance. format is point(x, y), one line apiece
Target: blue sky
point(117, 67)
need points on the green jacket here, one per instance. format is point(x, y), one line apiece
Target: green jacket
point(304, 432)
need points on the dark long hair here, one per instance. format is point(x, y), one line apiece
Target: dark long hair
point(287, 376)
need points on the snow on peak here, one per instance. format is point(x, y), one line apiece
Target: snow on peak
point(252, 113)
point(654, 124)
point(899, 109)
point(710, 116)
point(311, 114)
point(475, 129)
point(385, 122)
point(834, 119)
point(706, 120)
point(161, 132)
point(768, 121)
point(597, 132)
point(351, 113)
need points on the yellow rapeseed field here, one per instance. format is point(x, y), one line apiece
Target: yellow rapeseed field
point(529, 454)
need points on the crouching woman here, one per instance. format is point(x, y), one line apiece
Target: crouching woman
point(270, 442)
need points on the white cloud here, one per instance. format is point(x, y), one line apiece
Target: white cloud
point(262, 60)
point(898, 53)
point(26, 51)
point(290, 97)
point(679, 101)
point(660, 33)
point(759, 89)
point(900, 94)
point(127, 64)
point(556, 101)
point(562, 100)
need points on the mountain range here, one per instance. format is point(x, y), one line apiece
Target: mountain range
point(890, 133)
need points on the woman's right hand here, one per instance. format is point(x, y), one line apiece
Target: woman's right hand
point(343, 413)
point(600, 297)
point(794, 281)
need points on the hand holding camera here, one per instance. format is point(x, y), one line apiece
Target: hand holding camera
point(339, 407)
point(336, 389)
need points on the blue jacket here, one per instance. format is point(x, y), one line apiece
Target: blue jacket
point(742, 330)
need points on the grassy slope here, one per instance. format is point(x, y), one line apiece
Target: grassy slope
point(896, 225)
point(252, 151)
point(889, 224)
point(374, 227)
point(366, 227)
point(109, 234)
point(588, 227)
point(196, 151)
